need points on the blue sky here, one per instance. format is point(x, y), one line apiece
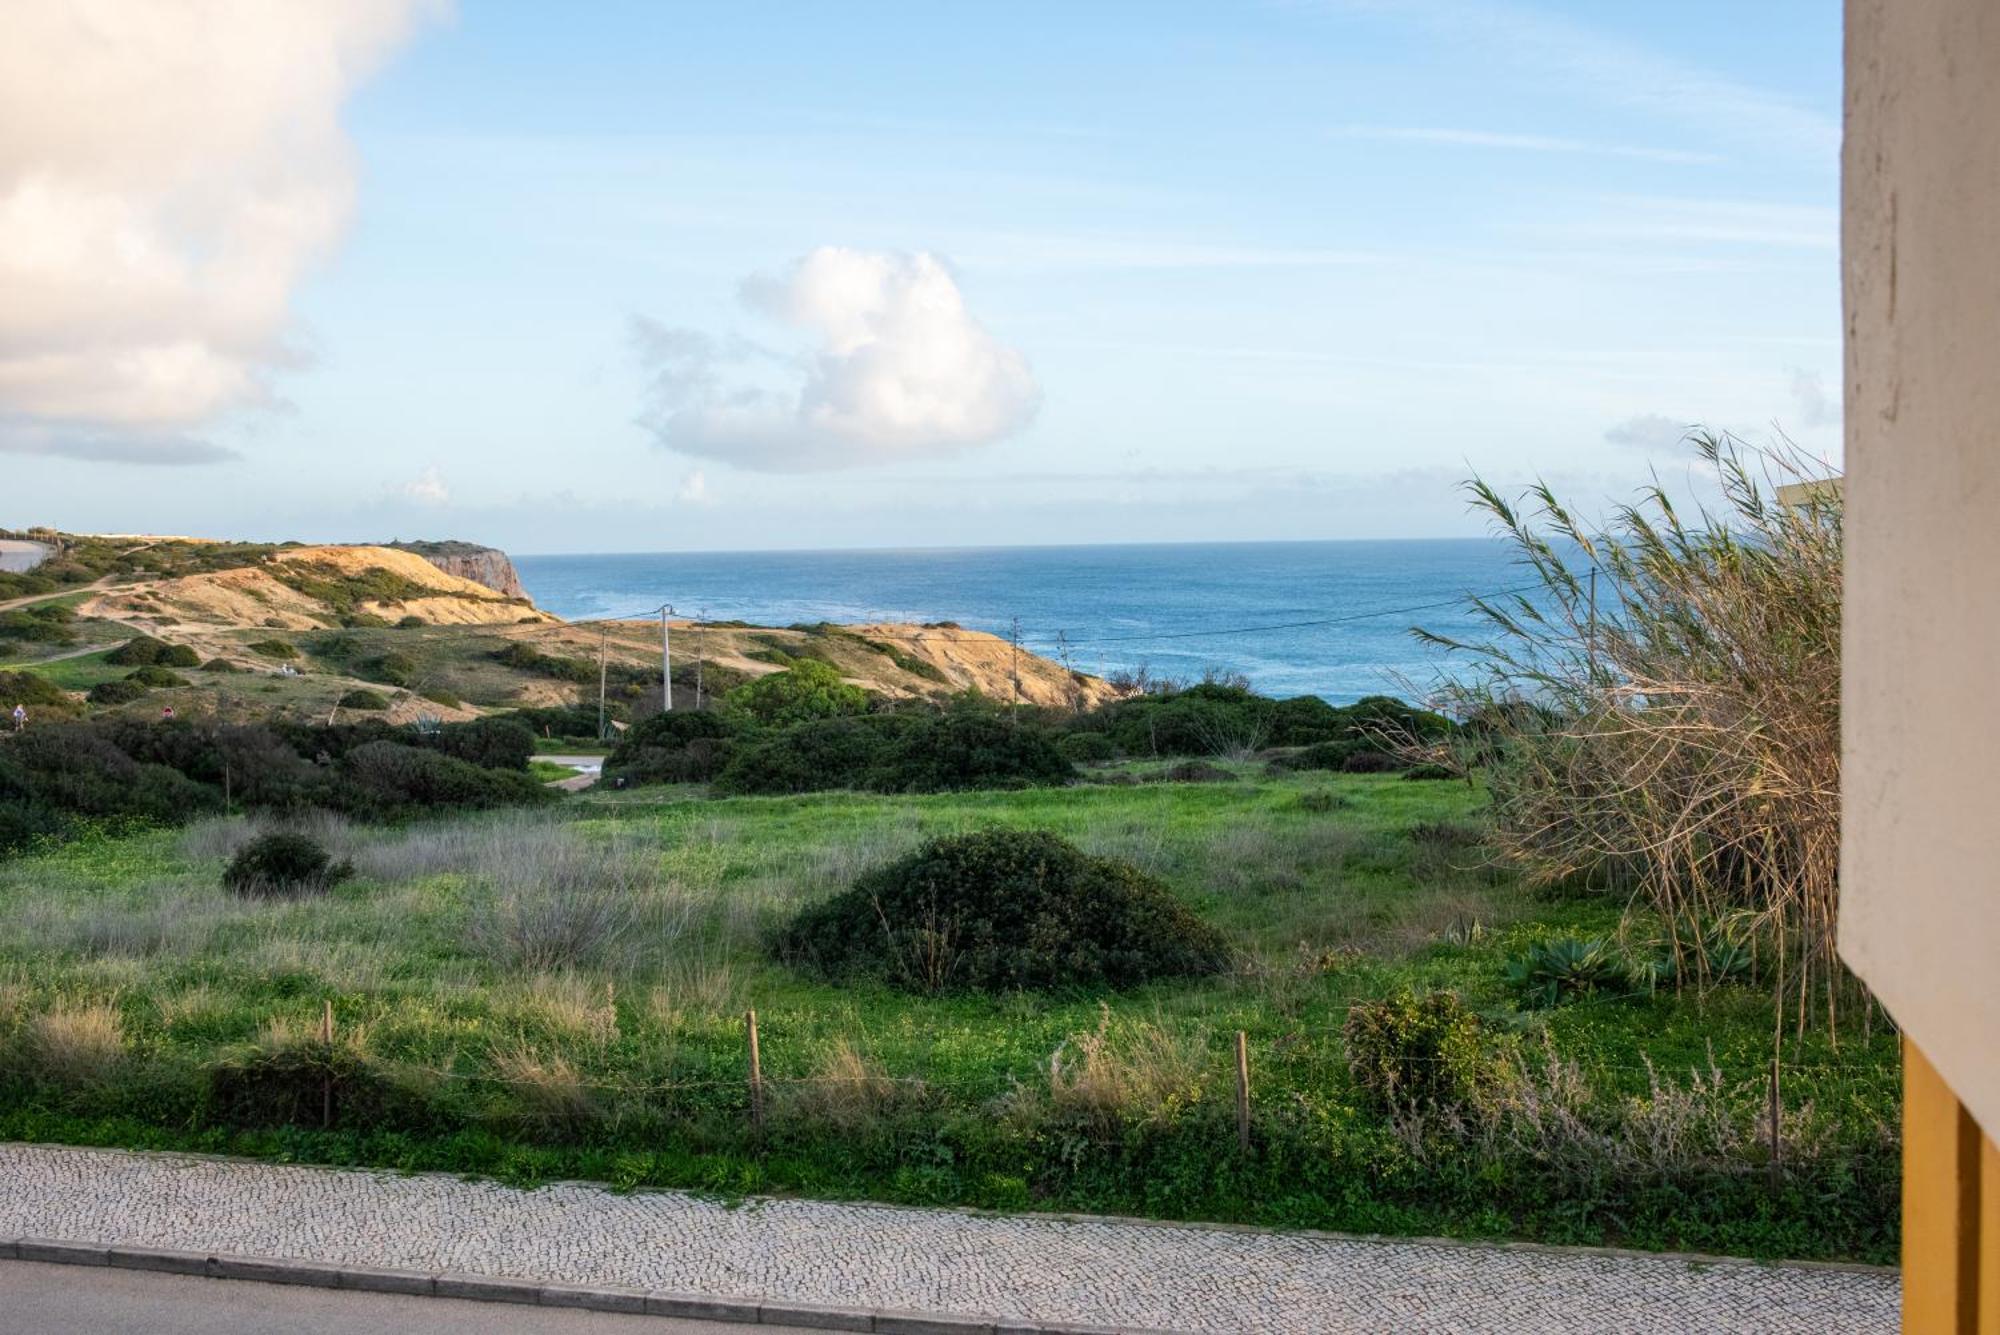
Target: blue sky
point(1227, 272)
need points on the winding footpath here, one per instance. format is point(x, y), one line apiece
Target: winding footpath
point(850, 1263)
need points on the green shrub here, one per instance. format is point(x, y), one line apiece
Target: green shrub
point(1002, 910)
point(283, 863)
point(1421, 1053)
point(284, 1081)
point(411, 622)
point(391, 669)
point(44, 624)
point(35, 691)
point(969, 748)
point(273, 649)
point(490, 743)
point(1370, 762)
point(1554, 970)
point(683, 746)
point(812, 757)
point(145, 651)
point(390, 779)
point(363, 699)
point(443, 695)
point(1322, 800)
point(220, 665)
point(1087, 748)
point(1195, 771)
point(122, 691)
point(154, 675)
point(1431, 772)
point(804, 692)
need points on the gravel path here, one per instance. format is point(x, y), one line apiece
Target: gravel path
point(1117, 1273)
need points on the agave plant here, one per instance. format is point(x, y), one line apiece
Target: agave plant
point(1548, 972)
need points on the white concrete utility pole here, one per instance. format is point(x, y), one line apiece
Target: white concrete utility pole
point(666, 667)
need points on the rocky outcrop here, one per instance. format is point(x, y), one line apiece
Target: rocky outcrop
point(468, 560)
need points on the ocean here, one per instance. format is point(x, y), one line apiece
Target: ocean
point(1179, 610)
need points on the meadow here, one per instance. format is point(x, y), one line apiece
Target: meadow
point(563, 994)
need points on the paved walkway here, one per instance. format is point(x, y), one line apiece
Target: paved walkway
point(1110, 1272)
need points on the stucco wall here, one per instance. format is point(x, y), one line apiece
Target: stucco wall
point(1920, 876)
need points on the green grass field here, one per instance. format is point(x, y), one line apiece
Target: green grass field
point(563, 995)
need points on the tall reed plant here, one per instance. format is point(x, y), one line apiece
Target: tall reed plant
point(1662, 709)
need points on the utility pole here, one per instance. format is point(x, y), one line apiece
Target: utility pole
point(700, 653)
point(666, 666)
point(603, 635)
point(1014, 637)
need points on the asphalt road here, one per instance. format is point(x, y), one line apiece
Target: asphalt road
point(37, 1299)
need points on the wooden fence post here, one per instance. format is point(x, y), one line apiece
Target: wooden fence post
point(1242, 1092)
point(326, 1075)
point(1773, 1167)
point(756, 1074)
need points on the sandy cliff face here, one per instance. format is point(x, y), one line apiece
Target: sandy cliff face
point(282, 594)
point(467, 560)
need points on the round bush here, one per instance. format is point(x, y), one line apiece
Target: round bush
point(282, 863)
point(1420, 1053)
point(1002, 910)
point(363, 699)
point(122, 691)
point(154, 675)
point(1087, 748)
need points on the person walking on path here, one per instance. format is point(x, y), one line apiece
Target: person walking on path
point(20, 717)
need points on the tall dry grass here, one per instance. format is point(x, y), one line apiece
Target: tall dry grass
point(1674, 722)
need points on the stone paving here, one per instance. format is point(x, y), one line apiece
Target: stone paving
point(1116, 1273)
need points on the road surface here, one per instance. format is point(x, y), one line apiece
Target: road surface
point(38, 1299)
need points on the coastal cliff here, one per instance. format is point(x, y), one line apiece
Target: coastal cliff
point(468, 560)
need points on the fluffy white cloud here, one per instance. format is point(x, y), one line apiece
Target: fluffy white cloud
point(899, 369)
point(428, 487)
point(168, 170)
point(1651, 432)
point(1815, 406)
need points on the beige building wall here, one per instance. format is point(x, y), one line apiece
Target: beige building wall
point(1920, 876)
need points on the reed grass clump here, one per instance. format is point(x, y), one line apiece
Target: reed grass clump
point(1663, 712)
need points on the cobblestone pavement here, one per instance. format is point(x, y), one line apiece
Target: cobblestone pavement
point(1112, 1272)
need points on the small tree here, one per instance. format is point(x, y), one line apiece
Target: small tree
point(807, 690)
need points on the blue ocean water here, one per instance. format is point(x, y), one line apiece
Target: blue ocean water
point(1177, 609)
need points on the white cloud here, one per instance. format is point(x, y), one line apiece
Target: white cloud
point(1654, 433)
point(168, 171)
point(899, 369)
point(1816, 407)
point(694, 489)
point(428, 487)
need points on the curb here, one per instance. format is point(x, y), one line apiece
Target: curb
point(503, 1289)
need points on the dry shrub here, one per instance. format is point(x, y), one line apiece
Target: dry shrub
point(76, 1047)
point(696, 989)
point(847, 1090)
point(1681, 728)
point(1678, 1130)
point(1133, 1071)
point(545, 1091)
point(560, 901)
point(221, 837)
point(295, 1075)
point(575, 1007)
